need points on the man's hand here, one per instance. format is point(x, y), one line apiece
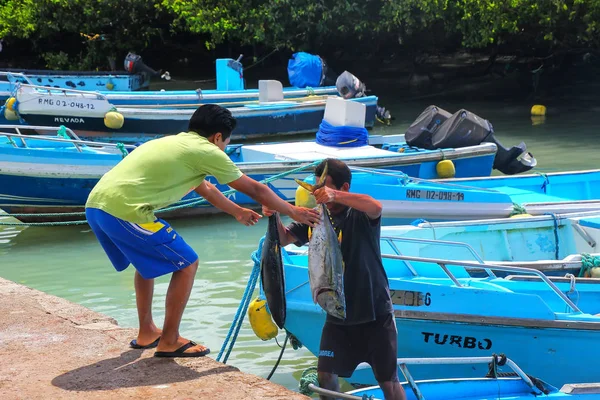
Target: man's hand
point(247, 217)
point(267, 212)
point(307, 216)
point(324, 195)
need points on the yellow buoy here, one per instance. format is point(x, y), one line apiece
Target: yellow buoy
point(594, 272)
point(537, 119)
point(10, 104)
point(10, 115)
point(521, 216)
point(114, 120)
point(304, 198)
point(260, 320)
point(538, 110)
point(445, 169)
point(110, 86)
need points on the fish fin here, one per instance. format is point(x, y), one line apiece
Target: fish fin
point(309, 232)
point(305, 185)
point(322, 179)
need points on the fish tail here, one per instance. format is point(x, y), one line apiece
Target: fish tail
point(307, 186)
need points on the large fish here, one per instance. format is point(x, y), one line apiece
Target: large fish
point(325, 263)
point(271, 272)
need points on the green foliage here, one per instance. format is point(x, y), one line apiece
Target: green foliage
point(112, 28)
point(524, 26)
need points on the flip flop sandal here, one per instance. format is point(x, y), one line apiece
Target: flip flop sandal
point(180, 352)
point(133, 344)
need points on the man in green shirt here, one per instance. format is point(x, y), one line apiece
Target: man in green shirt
point(120, 210)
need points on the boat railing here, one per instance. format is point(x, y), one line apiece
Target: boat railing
point(10, 75)
point(399, 174)
point(64, 91)
point(443, 263)
point(497, 360)
point(76, 141)
point(390, 240)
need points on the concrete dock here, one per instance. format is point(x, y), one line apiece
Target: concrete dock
point(53, 349)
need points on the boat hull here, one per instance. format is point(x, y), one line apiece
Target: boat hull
point(62, 185)
point(429, 326)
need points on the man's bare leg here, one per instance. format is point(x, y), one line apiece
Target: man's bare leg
point(177, 298)
point(328, 381)
point(392, 390)
point(144, 290)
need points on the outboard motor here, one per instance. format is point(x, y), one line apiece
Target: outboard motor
point(421, 131)
point(439, 129)
point(134, 64)
point(350, 87)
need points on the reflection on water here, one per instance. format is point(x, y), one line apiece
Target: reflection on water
point(68, 262)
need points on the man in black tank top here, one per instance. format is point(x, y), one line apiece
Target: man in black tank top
point(368, 334)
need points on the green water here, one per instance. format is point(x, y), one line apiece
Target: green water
point(69, 263)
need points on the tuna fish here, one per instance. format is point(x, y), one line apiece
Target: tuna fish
point(271, 272)
point(325, 264)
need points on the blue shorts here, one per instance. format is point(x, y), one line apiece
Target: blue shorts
point(154, 249)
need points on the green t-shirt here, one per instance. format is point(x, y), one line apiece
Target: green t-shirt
point(159, 173)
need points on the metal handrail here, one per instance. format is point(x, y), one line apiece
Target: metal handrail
point(471, 265)
point(64, 91)
point(403, 362)
point(398, 174)
point(16, 74)
point(57, 139)
point(391, 239)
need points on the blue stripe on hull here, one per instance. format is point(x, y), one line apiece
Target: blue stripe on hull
point(135, 130)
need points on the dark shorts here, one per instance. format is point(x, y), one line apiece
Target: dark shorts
point(343, 347)
point(154, 249)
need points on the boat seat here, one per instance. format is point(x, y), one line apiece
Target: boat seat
point(581, 388)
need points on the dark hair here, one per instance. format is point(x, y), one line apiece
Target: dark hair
point(209, 119)
point(337, 170)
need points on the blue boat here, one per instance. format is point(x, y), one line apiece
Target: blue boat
point(514, 384)
point(408, 199)
point(43, 174)
point(443, 310)
point(85, 113)
point(556, 244)
point(136, 76)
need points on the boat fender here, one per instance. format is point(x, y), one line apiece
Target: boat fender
point(110, 86)
point(521, 215)
point(114, 120)
point(538, 110)
point(304, 198)
point(445, 169)
point(10, 115)
point(10, 104)
point(260, 320)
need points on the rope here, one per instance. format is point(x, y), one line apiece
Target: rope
point(310, 91)
point(341, 136)
point(279, 359)
point(588, 262)
point(121, 147)
point(546, 180)
point(180, 204)
point(234, 329)
point(555, 219)
point(309, 375)
point(62, 132)
point(518, 209)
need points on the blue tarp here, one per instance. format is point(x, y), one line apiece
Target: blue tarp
point(305, 70)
